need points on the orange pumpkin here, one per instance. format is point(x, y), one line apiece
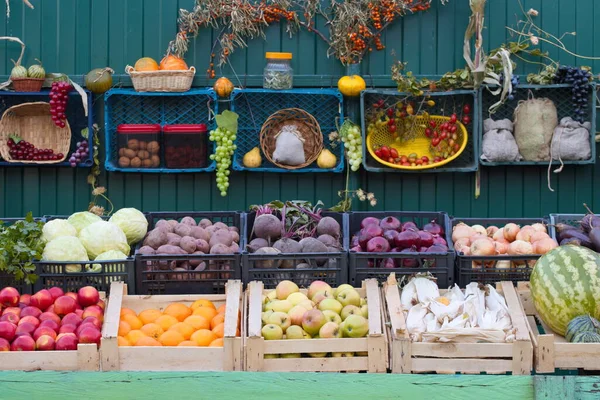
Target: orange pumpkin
point(173, 63)
point(223, 87)
point(146, 64)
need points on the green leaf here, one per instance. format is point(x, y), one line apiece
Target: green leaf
point(15, 138)
point(228, 120)
point(85, 133)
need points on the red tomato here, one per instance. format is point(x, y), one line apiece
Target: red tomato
point(393, 153)
point(453, 129)
point(467, 109)
point(425, 159)
point(385, 152)
point(428, 132)
point(432, 124)
point(466, 120)
point(435, 141)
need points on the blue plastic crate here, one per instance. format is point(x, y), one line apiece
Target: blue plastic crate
point(126, 106)
point(75, 115)
point(559, 94)
point(255, 106)
point(446, 104)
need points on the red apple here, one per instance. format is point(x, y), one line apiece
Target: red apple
point(78, 307)
point(88, 296)
point(94, 321)
point(71, 294)
point(50, 324)
point(49, 316)
point(71, 319)
point(44, 331)
point(22, 305)
point(41, 300)
point(45, 343)
point(83, 326)
point(67, 329)
point(9, 297)
point(93, 311)
point(79, 313)
point(7, 330)
point(29, 320)
point(64, 305)
point(23, 343)
point(56, 292)
point(90, 335)
point(102, 305)
point(10, 317)
point(50, 309)
point(67, 342)
point(66, 334)
point(4, 345)
point(31, 311)
point(18, 334)
point(12, 310)
point(26, 327)
point(25, 299)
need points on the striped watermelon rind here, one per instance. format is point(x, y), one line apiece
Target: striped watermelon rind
point(582, 323)
point(586, 337)
point(565, 283)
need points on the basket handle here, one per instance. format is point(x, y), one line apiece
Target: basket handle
point(15, 39)
point(129, 69)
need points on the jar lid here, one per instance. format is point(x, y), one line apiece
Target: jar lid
point(185, 128)
point(279, 56)
point(138, 128)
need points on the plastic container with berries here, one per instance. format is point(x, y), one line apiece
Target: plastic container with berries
point(186, 146)
point(139, 145)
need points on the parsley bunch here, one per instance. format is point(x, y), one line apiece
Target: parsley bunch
point(20, 244)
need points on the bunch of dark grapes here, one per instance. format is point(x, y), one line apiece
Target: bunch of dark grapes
point(580, 81)
point(80, 154)
point(59, 94)
point(514, 80)
point(23, 150)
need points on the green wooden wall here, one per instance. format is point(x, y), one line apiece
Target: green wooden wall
point(73, 36)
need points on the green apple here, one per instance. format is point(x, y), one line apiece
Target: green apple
point(341, 288)
point(291, 355)
point(317, 286)
point(296, 297)
point(332, 316)
point(279, 305)
point(364, 311)
point(281, 319)
point(265, 300)
point(312, 321)
point(330, 330)
point(306, 335)
point(296, 314)
point(308, 304)
point(355, 326)
point(322, 295)
point(363, 301)
point(349, 296)
point(265, 316)
point(345, 354)
point(272, 295)
point(331, 304)
point(349, 310)
point(295, 332)
point(272, 332)
point(317, 355)
point(268, 356)
point(285, 288)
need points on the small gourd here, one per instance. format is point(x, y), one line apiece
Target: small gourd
point(99, 80)
point(18, 71)
point(36, 71)
point(173, 63)
point(351, 86)
point(223, 87)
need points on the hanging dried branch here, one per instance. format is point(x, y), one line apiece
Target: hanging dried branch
point(475, 28)
point(27, 3)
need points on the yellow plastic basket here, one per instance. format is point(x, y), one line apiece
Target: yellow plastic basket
point(381, 136)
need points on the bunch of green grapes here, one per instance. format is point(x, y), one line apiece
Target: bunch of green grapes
point(225, 140)
point(353, 142)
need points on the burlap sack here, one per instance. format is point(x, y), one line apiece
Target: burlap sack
point(535, 120)
point(571, 140)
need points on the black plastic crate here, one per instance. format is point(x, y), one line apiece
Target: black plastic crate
point(370, 265)
point(328, 267)
point(53, 273)
point(485, 269)
point(153, 273)
point(569, 219)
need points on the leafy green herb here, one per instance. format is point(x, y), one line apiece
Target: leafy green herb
point(20, 244)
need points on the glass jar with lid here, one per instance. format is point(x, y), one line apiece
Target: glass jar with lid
point(278, 73)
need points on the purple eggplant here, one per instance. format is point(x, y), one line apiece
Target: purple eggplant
point(595, 238)
point(577, 234)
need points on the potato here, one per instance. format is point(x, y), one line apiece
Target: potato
point(143, 154)
point(147, 163)
point(183, 264)
point(188, 244)
point(124, 162)
point(183, 230)
point(196, 262)
point(173, 239)
point(136, 162)
point(221, 236)
point(129, 153)
point(211, 229)
point(220, 248)
point(235, 236)
point(156, 238)
point(153, 147)
point(199, 233)
point(164, 225)
point(133, 144)
point(204, 223)
point(234, 229)
point(179, 277)
point(188, 221)
point(146, 250)
point(235, 248)
point(202, 245)
point(173, 223)
point(169, 249)
point(221, 225)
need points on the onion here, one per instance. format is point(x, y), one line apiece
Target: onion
point(483, 247)
point(499, 234)
point(369, 221)
point(525, 233)
point(501, 247)
point(480, 229)
point(538, 236)
point(463, 242)
point(510, 232)
point(426, 239)
point(390, 223)
point(408, 239)
point(378, 245)
point(520, 248)
point(390, 235)
point(476, 236)
point(466, 251)
point(409, 226)
point(439, 240)
point(544, 245)
point(369, 233)
point(539, 227)
point(491, 230)
point(462, 230)
point(502, 264)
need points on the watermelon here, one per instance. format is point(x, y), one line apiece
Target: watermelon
point(565, 283)
point(583, 323)
point(586, 337)
point(36, 71)
point(18, 71)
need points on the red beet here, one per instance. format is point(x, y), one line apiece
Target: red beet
point(367, 234)
point(369, 221)
point(439, 240)
point(390, 223)
point(409, 226)
point(378, 245)
point(408, 239)
point(426, 239)
point(390, 235)
point(433, 228)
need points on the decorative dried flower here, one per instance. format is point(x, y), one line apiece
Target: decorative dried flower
point(370, 196)
point(99, 190)
point(98, 210)
point(534, 40)
point(360, 192)
point(333, 136)
point(373, 202)
point(532, 12)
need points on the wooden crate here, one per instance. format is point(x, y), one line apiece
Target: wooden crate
point(226, 358)
point(551, 351)
point(448, 358)
point(255, 347)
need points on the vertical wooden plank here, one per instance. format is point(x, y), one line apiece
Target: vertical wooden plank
point(99, 34)
point(463, 187)
point(83, 34)
point(376, 184)
point(152, 18)
point(410, 194)
point(150, 188)
point(66, 22)
point(202, 191)
point(499, 200)
point(14, 192)
point(185, 186)
point(480, 206)
point(236, 196)
point(167, 192)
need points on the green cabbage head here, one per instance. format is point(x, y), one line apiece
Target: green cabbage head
point(57, 228)
point(82, 219)
point(132, 222)
point(108, 255)
point(66, 248)
point(103, 236)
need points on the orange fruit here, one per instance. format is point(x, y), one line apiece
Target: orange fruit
point(203, 337)
point(197, 322)
point(202, 303)
point(133, 321)
point(147, 341)
point(178, 310)
point(216, 343)
point(146, 64)
point(219, 330)
point(134, 335)
point(217, 319)
point(148, 316)
point(125, 311)
point(121, 341)
point(124, 328)
point(152, 330)
point(186, 330)
point(206, 312)
point(221, 309)
point(166, 321)
point(171, 338)
point(187, 343)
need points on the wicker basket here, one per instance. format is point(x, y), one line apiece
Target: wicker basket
point(161, 81)
point(32, 122)
point(27, 84)
point(307, 126)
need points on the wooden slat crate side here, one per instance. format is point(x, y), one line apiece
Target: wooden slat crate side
point(85, 358)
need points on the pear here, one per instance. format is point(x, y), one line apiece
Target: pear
point(326, 159)
point(252, 158)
